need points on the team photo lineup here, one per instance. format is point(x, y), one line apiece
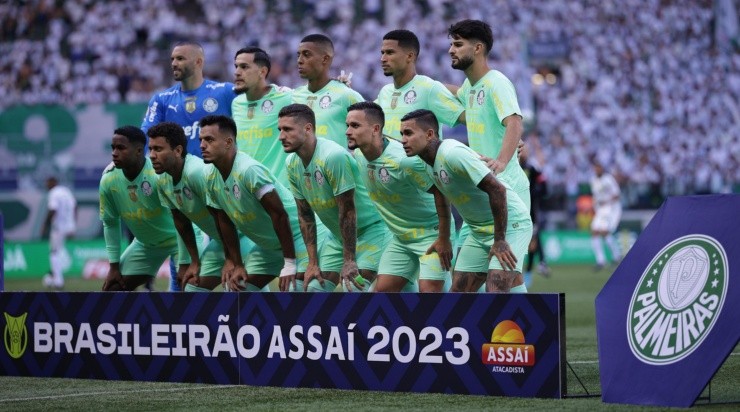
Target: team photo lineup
point(321, 188)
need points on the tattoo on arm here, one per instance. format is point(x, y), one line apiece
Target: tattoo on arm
point(307, 221)
point(348, 223)
point(497, 200)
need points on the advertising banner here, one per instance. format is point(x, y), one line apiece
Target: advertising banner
point(668, 317)
point(485, 344)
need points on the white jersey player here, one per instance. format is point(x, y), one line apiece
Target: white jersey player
point(60, 222)
point(607, 213)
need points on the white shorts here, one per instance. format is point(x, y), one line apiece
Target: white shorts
point(57, 239)
point(606, 218)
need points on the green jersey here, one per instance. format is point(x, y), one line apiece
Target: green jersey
point(137, 203)
point(239, 197)
point(398, 185)
point(457, 171)
point(330, 106)
point(189, 194)
point(257, 129)
point(421, 92)
point(487, 104)
point(331, 172)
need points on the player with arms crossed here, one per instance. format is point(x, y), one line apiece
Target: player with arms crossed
point(325, 179)
point(128, 192)
point(328, 98)
point(256, 110)
point(183, 186)
point(411, 91)
point(496, 216)
point(249, 198)
point(414, 210)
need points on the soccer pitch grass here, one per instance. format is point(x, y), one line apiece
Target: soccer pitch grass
point(579, 283)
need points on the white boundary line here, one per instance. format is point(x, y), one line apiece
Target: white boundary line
point(73, 395)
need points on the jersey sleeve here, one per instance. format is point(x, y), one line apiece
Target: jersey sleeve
point(111, 223)
point(415, 171)
point(211, 191)
point(154, 113)
point(464, 162)
point(255, 178)
point(294, 178)
point(163, 198)
point(353, 96)
point(504, 99)
point(338, 172)
point(53, 202)
point(444, 104)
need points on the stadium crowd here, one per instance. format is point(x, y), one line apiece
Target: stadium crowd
point(647, 87)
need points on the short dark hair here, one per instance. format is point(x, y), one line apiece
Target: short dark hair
point(132, 133)
point(320, 39)
point(405, 38)
point(372, 110)
point(301, 111)
point(172, 133)
point(472, 30)
point(424, 118)
point(261, 58)
point(192, 43)
point(224, 123)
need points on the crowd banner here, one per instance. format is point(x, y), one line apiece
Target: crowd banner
point(485, 344)
point(668, 317)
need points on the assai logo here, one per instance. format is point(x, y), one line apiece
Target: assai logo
point(15, 335)
point(678, 300)
point(507, 348)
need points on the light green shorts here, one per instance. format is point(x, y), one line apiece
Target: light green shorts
point(473, 255)
point(261, 261)
point(138, 259)
point(410, 261)
point(212, 257)
point(370, 246)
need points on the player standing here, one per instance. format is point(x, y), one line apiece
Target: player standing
point(60, 223)
point(496, 216)
point(255, 110)
point(607, 213)
point(411, 91)
point(328, 98)
point(415, 211)
point(325, 179)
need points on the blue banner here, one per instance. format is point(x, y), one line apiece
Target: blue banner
point(486, 344)
point(668, 317)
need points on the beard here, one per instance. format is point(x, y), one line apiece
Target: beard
point(463, 63)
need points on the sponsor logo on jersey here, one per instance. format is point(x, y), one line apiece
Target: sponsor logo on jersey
point(187, 192)
point(678, 300)
point(210, 105)
point(310, 100)
point(237, 192)
point(214, 86)
point(15, 335)
point(173, 107)
point(508, 351)
point(178, 197)
point(250, 110)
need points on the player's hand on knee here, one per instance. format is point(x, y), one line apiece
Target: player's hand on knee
point(443, 248)
point(312, 272)
point(349, 274)
point(114, 279)
point(501, 250)
point(238, 279)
